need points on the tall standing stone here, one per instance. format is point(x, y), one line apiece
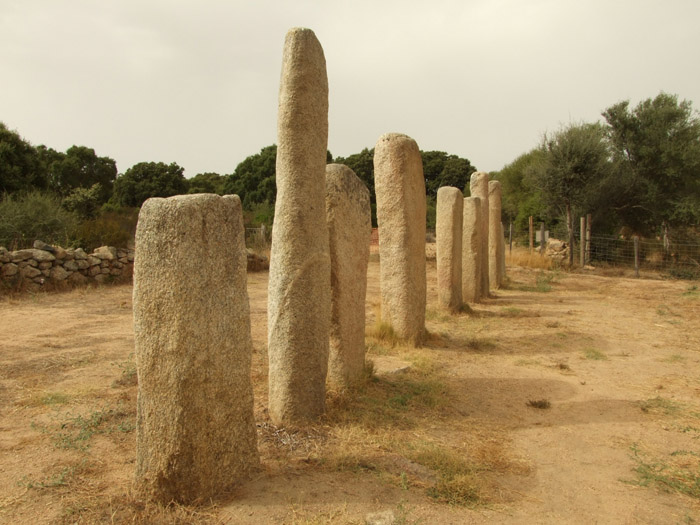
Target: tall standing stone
point(401, 214)
point(471, 250)
point(503, 257)
point(495, 234)
point(299, 299)
point(479, 186)
point(195, 428)
point(349, 230)
point(450, 205)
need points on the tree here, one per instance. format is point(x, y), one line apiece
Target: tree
point(521, 199)
point(363, 165)
point(80, 167)
point(207, 183)
point(441, 169)
point(254, 178)
point(149, 179)
point(20, 168)
point(656, 152)
point(575, 159)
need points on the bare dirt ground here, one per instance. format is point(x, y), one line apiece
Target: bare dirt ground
point(445, 433)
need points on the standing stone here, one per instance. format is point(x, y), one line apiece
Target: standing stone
point(450, 205)
point(195, 428)
point(401, 214)
point(349, 231)
point(495, 234)
point(479, 186)
point(471, 250)
point(503, 257)
point(299, 299)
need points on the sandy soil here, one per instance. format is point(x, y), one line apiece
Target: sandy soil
point(617, 359)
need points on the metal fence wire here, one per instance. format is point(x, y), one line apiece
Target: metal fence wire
point(678, 258)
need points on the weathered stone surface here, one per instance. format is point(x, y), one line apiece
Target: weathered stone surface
point(195, 428)
point(104, 269)
point(9, 269)
point(471, 250)
point(349, 231)
point(401, 212)
point(93, 261)
point(74, 265)
point(41, 245)
point(29, 272)
point(70, 254)
point(503, 257)
point(77, 278)
point(479, 186)
point(5, 256)
point(32, 253)
point(495, 234)
point(108, 253)
point(44, 265)
point(58, 273)
point(448, 226)
point(94, 270)
point(59, 253)
point(115, 272)
point(79, 253)
point(101, 278)
point(299, 298)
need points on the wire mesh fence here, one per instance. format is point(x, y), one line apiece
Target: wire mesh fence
point(677, 258)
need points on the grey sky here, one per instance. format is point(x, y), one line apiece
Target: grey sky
point(195, 82)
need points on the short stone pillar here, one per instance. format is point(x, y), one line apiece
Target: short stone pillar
point(401, 213)
point(195, 432)
point(503, 257)
point(479, 186)
point(450, 205)
point(495, 234)
point(349, 231)
point(299, 290)
point(471, 250)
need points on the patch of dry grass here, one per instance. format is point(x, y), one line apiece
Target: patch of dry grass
point(523, 257)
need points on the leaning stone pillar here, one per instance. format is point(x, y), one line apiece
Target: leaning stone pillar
point(299, 298)
point(401, 214)
point(479, 186)
point(495, 234)
point(349, 230)
point(450, 205)
point(471, 250)
point(195, 432)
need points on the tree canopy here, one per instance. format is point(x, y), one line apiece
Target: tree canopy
point(149, 179)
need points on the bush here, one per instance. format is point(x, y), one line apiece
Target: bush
point(113, 227)
point(27, 217)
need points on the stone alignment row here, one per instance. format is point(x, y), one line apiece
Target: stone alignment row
point(401, 214)
point(450, 205)
point(495, 235)
point(299, 297)
point(349, 230)
point(195, 429)
point(472, 233)
point(479, 186)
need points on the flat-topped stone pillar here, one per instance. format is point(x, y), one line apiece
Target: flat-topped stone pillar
point(195, 432)
point(450, 205)
point(471, 250)
point(479, 186)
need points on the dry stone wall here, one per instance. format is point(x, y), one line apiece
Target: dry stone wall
point(45, 266)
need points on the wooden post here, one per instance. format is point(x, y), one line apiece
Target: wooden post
point(542, 243)
point(636, 256)
point(582, 242)
point(510, 238)
point(532, 234)
point(588, 239)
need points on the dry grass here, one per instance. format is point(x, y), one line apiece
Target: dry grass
point(523, 257)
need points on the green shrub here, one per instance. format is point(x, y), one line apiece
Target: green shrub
point(27, 217)
point(111, 228)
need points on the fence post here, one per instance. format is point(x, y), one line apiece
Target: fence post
point(582, 242)
point(510, 238)
point(532, 234)
point(636, 256)
point(542, 238)
point(588, 238)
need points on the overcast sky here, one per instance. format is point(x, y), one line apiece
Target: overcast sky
point(196, 82)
